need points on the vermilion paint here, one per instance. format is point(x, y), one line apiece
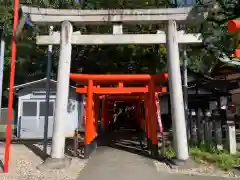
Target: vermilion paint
point(233, 26)
point(121, 88)
point(237, 53)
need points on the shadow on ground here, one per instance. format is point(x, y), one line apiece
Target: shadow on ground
point(125, 139)
point(237, 169)
point(36, 146)
point(128, 140)
point(2, 152)
point(1, 165)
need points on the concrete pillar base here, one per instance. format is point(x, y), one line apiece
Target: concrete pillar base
point(154, 150)
point(52, 163)
point(149, 144)
point(89, 149)
point(179, 162)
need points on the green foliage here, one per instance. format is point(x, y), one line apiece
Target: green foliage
point(31, 59)
point(221, 159)
point(170, 153)
point(216, 38)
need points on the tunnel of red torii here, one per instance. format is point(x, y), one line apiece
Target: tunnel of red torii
point(142, 90)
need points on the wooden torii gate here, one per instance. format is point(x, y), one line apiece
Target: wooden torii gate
point(117, 17)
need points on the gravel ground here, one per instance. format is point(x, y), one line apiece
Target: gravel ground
point(23, 165)
point(202, 169)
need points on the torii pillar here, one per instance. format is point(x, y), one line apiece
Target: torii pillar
point(58, 160)
point(176, 94)
point(64, 64)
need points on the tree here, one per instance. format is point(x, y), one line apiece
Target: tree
point(217, 40)
point(31, 59)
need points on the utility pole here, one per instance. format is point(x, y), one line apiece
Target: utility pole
point(48, 89)
point(185, 86)
point(185, 78)
point(2, 35)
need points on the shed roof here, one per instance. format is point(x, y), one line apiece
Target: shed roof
point(224, 69)
point(36, 82)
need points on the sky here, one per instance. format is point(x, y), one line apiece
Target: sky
point(180, 2)
point(184, 2)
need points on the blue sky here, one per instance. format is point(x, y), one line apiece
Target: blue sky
point(184, 2)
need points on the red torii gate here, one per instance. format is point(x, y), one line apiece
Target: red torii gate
point(142, 86)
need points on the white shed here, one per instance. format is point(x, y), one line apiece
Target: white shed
point(31, 110)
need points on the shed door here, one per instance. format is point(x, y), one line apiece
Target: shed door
point(29, 123)
point(42, 110)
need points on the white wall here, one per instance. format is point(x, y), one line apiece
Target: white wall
point(71, 122)
point(72, 116)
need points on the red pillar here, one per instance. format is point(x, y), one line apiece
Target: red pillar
point(143, 121)
point(110, 111)
point(94, 118)
point(105, 115)
point(11, 88)
point(89, 128)
point(137, 111)
point(139, 118)
point(85, 114)
point(159, 119)
point(96, 110)
point(147, 120)
point(153, 117)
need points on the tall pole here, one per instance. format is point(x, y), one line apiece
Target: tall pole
point(3, 33)
point(185, 79)
point(48, 75)
point(11, 87)
point(60, 118)
point(176, 94)
point(185, 85)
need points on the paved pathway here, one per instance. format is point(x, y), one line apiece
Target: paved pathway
point(108, 164)
point(112, 164)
